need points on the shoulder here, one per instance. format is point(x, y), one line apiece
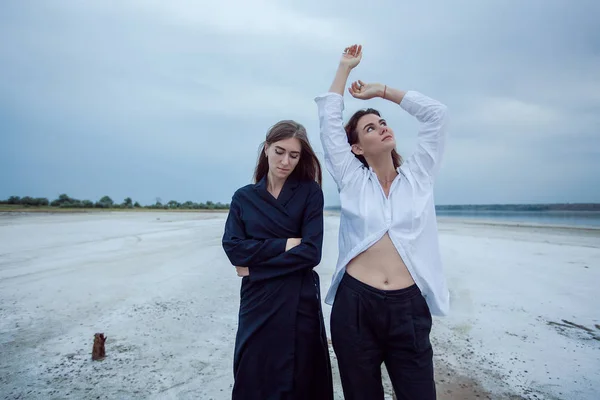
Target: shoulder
point(310, 186)
point(314, 192)
point(354, 182)
point(243, 193)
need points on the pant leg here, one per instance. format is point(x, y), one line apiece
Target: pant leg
point(356, 339)
point(409, 355)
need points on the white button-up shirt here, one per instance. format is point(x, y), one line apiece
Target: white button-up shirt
point(407, 215)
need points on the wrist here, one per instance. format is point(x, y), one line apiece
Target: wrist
point(381, 90)
point(291, 243)
point(344, 68)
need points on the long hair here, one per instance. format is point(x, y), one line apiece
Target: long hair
point(308, 167)
point(352, 135)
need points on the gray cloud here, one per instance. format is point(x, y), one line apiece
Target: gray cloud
point(147, 98)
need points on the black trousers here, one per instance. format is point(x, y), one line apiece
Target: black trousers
point(370, 327)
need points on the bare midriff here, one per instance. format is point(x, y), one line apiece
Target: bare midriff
point(381, 267)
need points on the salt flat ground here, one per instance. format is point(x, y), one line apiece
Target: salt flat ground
point(525, 319)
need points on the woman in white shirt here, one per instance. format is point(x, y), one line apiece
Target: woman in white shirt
point(389, 278)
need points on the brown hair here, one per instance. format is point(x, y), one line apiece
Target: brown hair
point(352, 135)
point(308, 167)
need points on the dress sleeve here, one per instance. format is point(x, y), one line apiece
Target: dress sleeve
point(242, 251)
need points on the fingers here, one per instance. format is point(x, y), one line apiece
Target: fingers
point(355, 50)
point(358, 86)
point(358, 90)
point(354, 89)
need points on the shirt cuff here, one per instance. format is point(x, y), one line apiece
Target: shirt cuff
point(328, 95)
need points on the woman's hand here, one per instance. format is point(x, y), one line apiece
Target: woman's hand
point(366, 91)
point(291, 243)
point(242, 271)
point(350, 59)
point(352, 56)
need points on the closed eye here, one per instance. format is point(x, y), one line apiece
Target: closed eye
point(281, 151)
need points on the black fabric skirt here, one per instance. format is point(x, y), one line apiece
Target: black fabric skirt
point(281, 347)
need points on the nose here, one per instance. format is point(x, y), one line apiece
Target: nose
point(384, 130)
point(285, 160)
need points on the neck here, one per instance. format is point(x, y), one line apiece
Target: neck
point(274, 184)
point(384, 168)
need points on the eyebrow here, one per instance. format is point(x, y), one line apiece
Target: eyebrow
point(371, 123)
point(281, 148)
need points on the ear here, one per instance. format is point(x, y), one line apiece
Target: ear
point(356, 149)
point(266, 149)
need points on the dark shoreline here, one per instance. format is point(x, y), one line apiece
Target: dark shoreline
point(511, 207)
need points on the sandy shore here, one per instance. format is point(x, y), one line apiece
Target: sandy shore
point(524, 325)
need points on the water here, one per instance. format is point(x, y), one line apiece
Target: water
point(584, 219)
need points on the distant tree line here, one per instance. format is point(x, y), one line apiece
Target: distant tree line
point(64, 201)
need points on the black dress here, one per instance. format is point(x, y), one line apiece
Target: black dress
point(281, 347)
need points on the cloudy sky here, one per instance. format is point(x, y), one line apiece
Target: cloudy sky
point(172, 99)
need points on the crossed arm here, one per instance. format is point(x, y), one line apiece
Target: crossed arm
point(269, 258)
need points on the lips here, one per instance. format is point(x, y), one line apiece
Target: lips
point(386, 137)
point(283, 170)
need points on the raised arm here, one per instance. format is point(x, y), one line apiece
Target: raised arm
point(305, 255)
point(432, 116)
point(242, 251)
point(431, 141)
point(339, 159)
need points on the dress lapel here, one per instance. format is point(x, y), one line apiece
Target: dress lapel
point(287, 192)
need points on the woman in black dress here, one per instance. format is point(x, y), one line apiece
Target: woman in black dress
point(273, 236)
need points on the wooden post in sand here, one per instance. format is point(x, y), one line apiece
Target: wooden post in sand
point(98, 352)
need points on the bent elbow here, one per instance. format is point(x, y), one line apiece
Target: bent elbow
point(230, 249)
point(227, 245)
point(442, 112)
point(315, 256)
